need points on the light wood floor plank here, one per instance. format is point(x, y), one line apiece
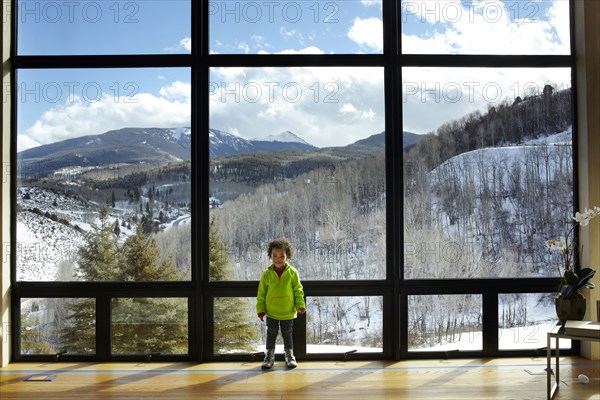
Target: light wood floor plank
point(511, 378)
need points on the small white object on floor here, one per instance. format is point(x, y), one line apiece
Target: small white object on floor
point(583, 379)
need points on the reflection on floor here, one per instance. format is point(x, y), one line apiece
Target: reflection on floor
point(507, 378)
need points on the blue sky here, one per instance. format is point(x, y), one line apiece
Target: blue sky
point(315, 103)
point(103, 26)
point(305, 26)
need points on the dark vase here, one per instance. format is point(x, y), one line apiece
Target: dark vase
point(572, 308)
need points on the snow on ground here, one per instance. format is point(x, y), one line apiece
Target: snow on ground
point(50, 229)
point(531, 337)
point(43, 246)
point(562, 138)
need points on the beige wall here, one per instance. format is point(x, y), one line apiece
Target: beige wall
point(5, 192)
point(588, 85)
point(588, 98)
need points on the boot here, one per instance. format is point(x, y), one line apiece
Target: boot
point(290, 360)
point(269, 359)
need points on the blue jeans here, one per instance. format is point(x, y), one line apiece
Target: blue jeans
point(287, 327)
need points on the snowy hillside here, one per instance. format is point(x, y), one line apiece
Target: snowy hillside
point(495, 207)
point(495, 164)
point(50, 229)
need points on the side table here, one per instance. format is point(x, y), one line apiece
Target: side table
point(558, 332)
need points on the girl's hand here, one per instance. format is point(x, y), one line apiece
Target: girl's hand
point(301, 310)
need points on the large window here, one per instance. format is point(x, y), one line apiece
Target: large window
point(300, 153)
point(103, 174)
point(488, 167)
point(489, 173)
point(418, 155)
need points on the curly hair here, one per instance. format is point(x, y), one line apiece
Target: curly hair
point(282, 244)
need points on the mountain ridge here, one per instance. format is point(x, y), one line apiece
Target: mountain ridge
point(166, 145)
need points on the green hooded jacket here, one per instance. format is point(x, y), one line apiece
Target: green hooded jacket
point(280, 298)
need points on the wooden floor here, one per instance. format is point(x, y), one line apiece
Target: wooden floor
point(507, 378)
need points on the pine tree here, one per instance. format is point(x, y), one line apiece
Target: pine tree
point(139, 325)
point(99, 256)
point(157, 324)
point(141, 257)
point(79, 335)
point(233, 329)
point(99, 260)
point(218, 264)
point(32, 340)
point(145, 325)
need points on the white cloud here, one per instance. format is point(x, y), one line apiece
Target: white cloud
point(252, 102)
point(557, 14)
point(488, 26)
point(434, 96)
point(289, 33)
point(350, 110)
point(347, 108)
point(368, 115)
point(260, 42)
point(186, 43)
point(306, 50)
point(367, 33)
point(324, 106)
point(80, 117)
point(244, 47)
point(369, 3)
point(177, 91)
point(292, 34)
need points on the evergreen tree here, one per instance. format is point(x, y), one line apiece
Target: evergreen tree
point(145, 325)
point(139, 325)
point(32, 340)
point(99, 256)
point(141, 259)
point(233, 328)
point(157, 324)
point(218, 264)
point(79, 334)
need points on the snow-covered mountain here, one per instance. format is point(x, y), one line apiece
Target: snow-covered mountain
point(223, 144)
point(144, 145)
point(284, 137)
point(127, 145)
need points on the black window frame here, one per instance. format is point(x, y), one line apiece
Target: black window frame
point(200, 291)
